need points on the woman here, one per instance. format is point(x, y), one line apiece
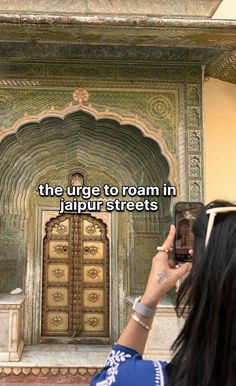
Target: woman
point(205, 350)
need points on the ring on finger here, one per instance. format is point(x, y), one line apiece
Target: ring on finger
point(161, 249)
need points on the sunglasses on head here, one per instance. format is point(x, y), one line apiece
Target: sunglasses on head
point(213, 212)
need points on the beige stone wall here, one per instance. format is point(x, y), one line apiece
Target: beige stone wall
point(220, 140)
point(226, 10)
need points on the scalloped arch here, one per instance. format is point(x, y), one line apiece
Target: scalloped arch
point(121, 145)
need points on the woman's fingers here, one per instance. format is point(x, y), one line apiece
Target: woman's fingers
point(168, 243)
point(182, 270)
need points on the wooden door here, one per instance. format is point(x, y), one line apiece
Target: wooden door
point(75, 296)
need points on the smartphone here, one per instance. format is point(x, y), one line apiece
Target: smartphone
point(184, 215)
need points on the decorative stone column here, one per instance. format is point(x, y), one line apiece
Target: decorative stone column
point(11, 331)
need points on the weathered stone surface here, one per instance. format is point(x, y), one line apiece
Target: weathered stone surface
point(115, 7)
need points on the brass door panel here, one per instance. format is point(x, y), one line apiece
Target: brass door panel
point(93, 322)
point(93, 274)
point(57, 297)
point(75, 277)
point(93, 250)
point(58, 273)
point(58, 249)
point(93, 298)
point(57, 322)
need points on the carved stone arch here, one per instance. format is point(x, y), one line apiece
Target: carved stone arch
point(125, 151)
point(147, 131)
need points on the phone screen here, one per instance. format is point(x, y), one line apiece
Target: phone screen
point(185, 214)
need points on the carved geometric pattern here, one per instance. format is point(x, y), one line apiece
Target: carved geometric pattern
point(194, 116)
point(194, 140)
point(194, 165)
point(193, 95)
point(195, 190)
point(6, 103)
point(44, 371)
point(159, 107)
point(144, 249)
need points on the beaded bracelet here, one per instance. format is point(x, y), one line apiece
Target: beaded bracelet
point(140, 322)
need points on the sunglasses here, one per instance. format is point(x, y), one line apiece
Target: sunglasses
point(213, 212)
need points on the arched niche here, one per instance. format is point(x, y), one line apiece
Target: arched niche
point(46, 150)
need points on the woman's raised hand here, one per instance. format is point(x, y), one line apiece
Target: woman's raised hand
point(164, 273)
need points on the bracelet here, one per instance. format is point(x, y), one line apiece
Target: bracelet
point(140, 322)
point(143, 310)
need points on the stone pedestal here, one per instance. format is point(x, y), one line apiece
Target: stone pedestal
point(11, 327)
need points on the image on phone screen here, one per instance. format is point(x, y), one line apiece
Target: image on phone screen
point(185, 215)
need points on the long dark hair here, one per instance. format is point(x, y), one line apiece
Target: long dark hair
point(205, 350)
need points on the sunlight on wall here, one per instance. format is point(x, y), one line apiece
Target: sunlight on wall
point(220, 139)
point(226, 10)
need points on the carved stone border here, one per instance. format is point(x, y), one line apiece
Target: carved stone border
point(45, 371)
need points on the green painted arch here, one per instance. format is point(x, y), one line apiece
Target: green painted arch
point(120, 150)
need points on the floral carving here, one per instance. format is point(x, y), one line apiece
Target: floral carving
point(194, 141)
point(57, 320)
point(93, 297)
point(60, 249)
point(93, 321)
point(194, 166)
point(60, 228)
point(91, 228)
point(195, 191)
point(58, 297)
point(93, 273)
point(58, 273)
point(91, 249)
point(81, 96)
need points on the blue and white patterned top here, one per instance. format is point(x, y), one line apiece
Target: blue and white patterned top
point(125, 367)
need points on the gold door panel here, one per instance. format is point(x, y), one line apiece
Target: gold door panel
point(93, 274)
point(57, 322)
point(58, 249)
point(75, 300)
point(93, 250)
point(93, 298)
point(58, 273)
point(57, 297)
point(93, 322)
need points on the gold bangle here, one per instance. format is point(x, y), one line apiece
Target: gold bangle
point(140, 322)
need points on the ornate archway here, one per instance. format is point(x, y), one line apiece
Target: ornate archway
point(111, 150)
